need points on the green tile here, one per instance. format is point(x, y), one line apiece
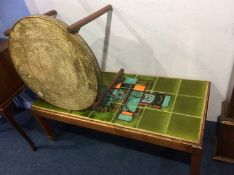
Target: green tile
point(146, 78)
point(129, 75)
point(184, 127)
point(154, 120)
point(104, 116)
point(189, 105)
point(107, 78)
point(42, 104)
point(130, 80)
point(57, 109)
point(83, 113)
point(193, 88)
point(168, 85)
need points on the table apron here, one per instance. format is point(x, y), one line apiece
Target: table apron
point(119, 131)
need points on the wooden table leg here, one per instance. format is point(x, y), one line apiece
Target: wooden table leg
point(7, 114)
point(196, 158)
point(45, 127)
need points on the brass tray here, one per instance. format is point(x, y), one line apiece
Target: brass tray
point(58, 66)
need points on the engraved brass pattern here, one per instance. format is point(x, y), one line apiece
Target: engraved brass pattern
point(58, 66)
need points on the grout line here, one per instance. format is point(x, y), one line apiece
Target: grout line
point(154, 85)
point(90, 114)
point(173, 106)
point(194, 116)
point(120, 105)
point(179, 94)
point(116, 113)
point(191, 96)
point(140, 117)
point(145, 105)
point(160, 110)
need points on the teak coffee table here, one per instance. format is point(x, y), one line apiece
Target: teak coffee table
point(179, 126)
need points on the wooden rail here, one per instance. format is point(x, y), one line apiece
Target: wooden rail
point(75, 27)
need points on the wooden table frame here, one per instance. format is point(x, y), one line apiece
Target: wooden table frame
point(195, 149)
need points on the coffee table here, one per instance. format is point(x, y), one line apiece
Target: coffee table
point(179, 126)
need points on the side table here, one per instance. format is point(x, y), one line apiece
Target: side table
point(10, 86)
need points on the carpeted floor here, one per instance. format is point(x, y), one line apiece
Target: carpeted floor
point(81, 151)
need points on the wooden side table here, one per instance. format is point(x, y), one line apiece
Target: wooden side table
point(10, 86)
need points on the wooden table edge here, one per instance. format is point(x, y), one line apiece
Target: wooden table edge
point(123, 131)
point(204, 115)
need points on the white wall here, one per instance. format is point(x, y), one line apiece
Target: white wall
point(184, 38)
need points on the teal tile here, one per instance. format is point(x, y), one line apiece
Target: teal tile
point(169, 107)
point(146, 78)
point(123, 117)
point(131, 124)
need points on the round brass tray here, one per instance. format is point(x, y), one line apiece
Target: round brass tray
point(58, 66)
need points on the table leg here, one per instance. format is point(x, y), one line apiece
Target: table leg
point(45, 127)
point(196, 158)
point(7, 114)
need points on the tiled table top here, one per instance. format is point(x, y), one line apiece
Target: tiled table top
point(182, 119)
